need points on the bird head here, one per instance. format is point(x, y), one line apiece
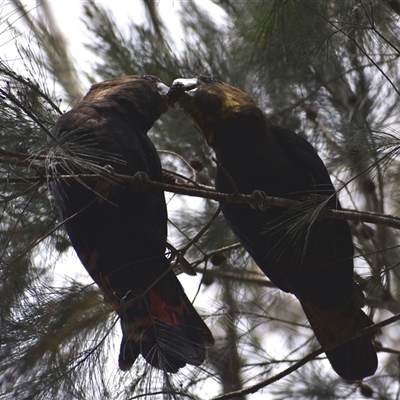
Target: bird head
point(143, 95)
point(208, 101)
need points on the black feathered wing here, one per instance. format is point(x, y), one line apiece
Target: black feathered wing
point(303, 254)
point(119, 234)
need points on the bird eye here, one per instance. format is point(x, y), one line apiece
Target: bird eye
point(207, 79)
point(150, 78)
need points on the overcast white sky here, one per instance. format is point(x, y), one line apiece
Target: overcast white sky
point(68, 15)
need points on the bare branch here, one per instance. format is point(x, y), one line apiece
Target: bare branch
point(224, 198)
point(305, 360)
point(353, 215)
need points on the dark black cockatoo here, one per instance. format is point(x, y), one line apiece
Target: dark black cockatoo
point(118, 232)
point(314, 262)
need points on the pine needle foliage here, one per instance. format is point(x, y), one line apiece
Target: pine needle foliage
point(326, 69)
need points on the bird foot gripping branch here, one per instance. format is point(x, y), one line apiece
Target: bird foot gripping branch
point(141, 178)
point(259, 200)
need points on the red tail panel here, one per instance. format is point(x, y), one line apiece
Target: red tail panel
point(168, 336)
point(353, 360)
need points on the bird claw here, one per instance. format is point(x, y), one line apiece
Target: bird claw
point(109, 168)
point(140, 178)
point(258, 201)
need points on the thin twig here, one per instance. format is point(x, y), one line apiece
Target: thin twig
point(261, 281)
point(27, 112)
point(305, 360)
point(202, 231)
point(343, 31)
point(31, 85)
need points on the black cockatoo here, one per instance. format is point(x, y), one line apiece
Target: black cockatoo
point(120, 233)
point(312, 261)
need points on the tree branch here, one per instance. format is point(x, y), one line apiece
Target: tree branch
point(27, 112)
point(305, 360)
point(224, 198)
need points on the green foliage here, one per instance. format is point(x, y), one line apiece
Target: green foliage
point(327, 69)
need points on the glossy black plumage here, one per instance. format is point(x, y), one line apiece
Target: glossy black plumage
point(311, 258)
point(118, 232)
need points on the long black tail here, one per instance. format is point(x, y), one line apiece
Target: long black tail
point(163, 326)
point(353, 360)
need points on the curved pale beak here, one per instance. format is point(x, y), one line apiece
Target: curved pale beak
point(162, 88)
point(188, 83)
